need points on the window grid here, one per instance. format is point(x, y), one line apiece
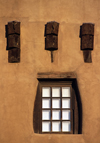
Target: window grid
point(61, 120)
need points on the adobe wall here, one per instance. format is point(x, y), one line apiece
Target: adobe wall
point(18, 81)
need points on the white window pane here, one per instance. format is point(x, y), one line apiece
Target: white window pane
point(46, 115)
point(46, 127)
point(65, 103)
point(56, 126)
point(46, 92)
point(55, 103)
point(56, 92)
point(66, 126)
point(55, 114)
point(65, 91)
point(65, 114)
point(45, 103)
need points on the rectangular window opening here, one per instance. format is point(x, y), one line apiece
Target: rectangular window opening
point(56, 108)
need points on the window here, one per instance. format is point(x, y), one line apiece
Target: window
point(57, 107)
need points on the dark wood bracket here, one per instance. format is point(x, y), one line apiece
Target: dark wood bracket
point(51, 34)
point(13, 41)
point(87, 56)
point(87, 40)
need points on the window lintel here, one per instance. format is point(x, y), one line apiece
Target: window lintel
point(56, 75)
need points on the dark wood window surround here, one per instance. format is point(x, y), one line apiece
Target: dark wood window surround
point(52, 100)
point(65, 119)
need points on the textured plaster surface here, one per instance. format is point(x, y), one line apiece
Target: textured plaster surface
point(18, 81)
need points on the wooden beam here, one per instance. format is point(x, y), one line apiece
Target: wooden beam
point(56, 75)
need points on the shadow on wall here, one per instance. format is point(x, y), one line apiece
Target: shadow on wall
point(36, 112)
point(79, 103)
point(6, 35)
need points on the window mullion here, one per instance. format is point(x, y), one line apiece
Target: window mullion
point(71, 110)
point(41, 111)
point(61, 106)
point(51, 106)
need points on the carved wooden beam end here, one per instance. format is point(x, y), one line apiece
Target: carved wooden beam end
point(51, 34)
point(51, 42)
point(87, 41)
point(13, 41)
point(52, 28)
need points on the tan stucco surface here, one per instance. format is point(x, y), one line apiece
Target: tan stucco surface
point(18, 81)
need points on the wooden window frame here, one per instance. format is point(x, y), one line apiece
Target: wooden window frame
point(56, 84)
point(58, 78)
